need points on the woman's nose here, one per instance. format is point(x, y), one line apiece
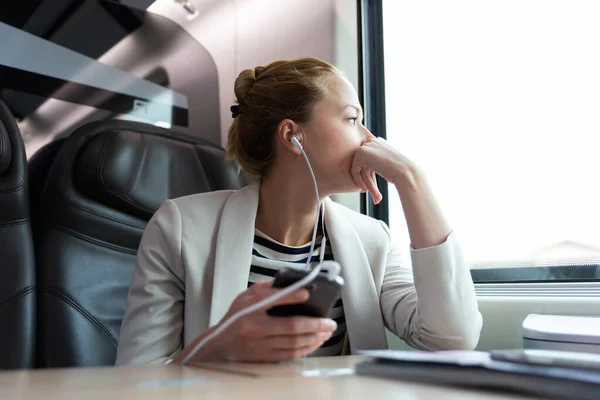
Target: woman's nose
point(367, 134)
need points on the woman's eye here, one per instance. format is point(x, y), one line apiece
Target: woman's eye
point(353, 120)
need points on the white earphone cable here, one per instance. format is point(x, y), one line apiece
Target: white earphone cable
point(314, 234)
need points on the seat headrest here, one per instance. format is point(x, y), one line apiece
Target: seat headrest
point(135, 172)
point(5, 150)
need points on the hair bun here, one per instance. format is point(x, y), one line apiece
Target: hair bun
point(243, 84)
point(258, 71)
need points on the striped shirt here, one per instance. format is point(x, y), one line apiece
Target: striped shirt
point(268, 256)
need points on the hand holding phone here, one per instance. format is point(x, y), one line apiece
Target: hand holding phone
point(323, 291)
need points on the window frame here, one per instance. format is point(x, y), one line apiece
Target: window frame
point(371, 88)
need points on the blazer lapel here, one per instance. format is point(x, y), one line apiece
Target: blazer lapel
point(359, 295)
point(233, 254)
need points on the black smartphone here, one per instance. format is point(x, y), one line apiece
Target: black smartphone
point(323, 293)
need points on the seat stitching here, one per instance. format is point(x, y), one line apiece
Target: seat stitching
point(93, 240)
point(15, 188)
point(16, 296)
point(77, 307)
point(14, 223)
point(91, 211)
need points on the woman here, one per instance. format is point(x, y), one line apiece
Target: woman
point(204, 257)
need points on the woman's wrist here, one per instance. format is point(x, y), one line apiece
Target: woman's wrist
point(427, 226)
point(407, 176)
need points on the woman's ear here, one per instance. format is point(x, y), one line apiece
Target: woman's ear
point(286, 129)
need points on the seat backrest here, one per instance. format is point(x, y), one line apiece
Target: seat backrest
point(106, 182)
point(38, 166)
point(17, 261)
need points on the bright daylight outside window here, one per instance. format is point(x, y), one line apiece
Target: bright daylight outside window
point(499, 103)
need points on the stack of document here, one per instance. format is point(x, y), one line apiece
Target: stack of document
point(544, 373)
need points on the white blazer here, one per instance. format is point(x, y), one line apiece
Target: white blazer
point(194, 259)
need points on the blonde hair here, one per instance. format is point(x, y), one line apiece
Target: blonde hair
point(266, 95)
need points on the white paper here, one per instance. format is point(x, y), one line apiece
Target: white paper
point(455, 357)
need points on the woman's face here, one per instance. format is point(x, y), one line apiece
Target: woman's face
point(334, 135)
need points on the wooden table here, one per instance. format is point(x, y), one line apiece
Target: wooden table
point(312, 379)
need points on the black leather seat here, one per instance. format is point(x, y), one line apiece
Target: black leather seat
point(106, 182)
point(38, 166)
point(17, 261)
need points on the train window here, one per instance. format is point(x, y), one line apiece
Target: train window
point(498, 102)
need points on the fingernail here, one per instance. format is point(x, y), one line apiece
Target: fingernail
point(301, 294)
point(330, 325)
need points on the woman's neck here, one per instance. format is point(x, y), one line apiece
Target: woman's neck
point(286, 210)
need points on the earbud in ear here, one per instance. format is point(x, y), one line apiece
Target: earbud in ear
point(295, 139)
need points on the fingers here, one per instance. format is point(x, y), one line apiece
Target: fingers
point(264, 338)
point(263, 289)
point(282, 326)
point(378, 157)
point(364, 177)
point(298, 341)
point(292, 354)
point(374, 180)
point(261, 326)
point(274, 349)
point(356, 172)
point(261, 354)
point(368, 177)
point(377, 196)
point(298, 296)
